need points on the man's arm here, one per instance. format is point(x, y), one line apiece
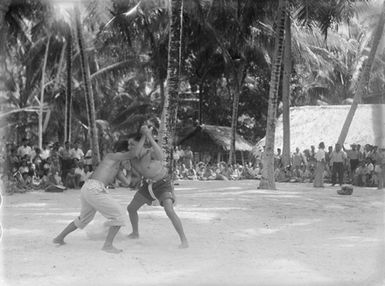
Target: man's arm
point(139, 148)
point(122, 156)
point(125, 180)
point(157, 151)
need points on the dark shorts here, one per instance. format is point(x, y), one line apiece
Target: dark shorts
point(162, 190)
point(354, 164)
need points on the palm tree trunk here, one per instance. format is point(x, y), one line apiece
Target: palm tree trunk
point(234, 117)
point(364, 77)
point(68, 102)
point(286, 93)
point(267, 179)
point(170, 107)
point(42, 94)
point(89, 94)
point(201, 86)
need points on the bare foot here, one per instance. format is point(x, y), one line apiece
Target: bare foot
point(111, 249)
point(184, 244)
point(59, 241)
point(133, 235)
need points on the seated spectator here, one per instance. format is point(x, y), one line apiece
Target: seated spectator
point(45, 152)
point(307, 176)
point(208, 173)
point(280, 175)
point(24, 168)
point(52, 181)
point(200, 168)
point(361, 175)
point(222, 172)
point(14, 161)
point(53, 177)
point(24, 149)
point(183, 171)
point(191, 174)
point(46, 166)
point(38, 163)
point(87, 171)
point(235, 174)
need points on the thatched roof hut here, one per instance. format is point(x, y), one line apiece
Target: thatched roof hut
point(310, 125)
point(211, 138)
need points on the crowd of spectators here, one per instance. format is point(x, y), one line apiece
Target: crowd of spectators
point(358, 166)
point(187, 168)
point(27, 167)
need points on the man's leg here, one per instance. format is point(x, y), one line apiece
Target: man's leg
point(169, 208)
point(137, 202)
point(341, 173)
point(87, 213)
point(110, 209)
point(108, 247)
point(69, 228)
point(334, 171)
point(380, 180)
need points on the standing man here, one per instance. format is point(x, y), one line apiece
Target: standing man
point(278, 159)
point(95, 197)
point(156, 183)
point(188, 158)
point(65, 160)
point(353, 156)
point(76, 152)
point(337, 160)
point(298, 160)
point(379, 161)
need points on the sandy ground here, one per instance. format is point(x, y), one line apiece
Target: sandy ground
point(238, 235)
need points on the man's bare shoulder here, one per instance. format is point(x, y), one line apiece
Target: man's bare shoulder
point(120, 156)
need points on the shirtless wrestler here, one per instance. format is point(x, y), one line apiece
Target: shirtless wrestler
point(156, 183)
point(95, 197)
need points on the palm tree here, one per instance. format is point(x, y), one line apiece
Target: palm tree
point(90, 103)
point(311, 13)
point(170, 106)
point(43, 71)
point(267, 179)
point(68, 101)
point(286, 92)
point(364, 76)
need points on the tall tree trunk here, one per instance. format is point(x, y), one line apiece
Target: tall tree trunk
point(267, 179)
point(286, 93)
point(363, 82)
point(201, 86)
point(41, 105)
point(88, 92)
point(170, 107)
point(238, 72)
point(68, 102)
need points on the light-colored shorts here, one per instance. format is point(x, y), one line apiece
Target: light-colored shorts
point(95, 197)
